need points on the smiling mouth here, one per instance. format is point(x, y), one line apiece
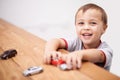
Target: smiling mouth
point(86, 34)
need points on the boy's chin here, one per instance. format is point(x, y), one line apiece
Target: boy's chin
point(87, 42)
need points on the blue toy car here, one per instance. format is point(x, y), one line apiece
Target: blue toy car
point(8, 54)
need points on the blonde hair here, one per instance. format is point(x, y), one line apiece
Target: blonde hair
point(84, 8)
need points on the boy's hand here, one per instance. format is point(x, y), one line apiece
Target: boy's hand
point(51, 55)
point(73, 60)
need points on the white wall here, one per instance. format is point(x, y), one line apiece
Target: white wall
point(47, 19)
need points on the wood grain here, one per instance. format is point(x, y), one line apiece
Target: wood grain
point(30, 50)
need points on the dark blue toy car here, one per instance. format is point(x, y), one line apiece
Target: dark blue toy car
point(8, 54)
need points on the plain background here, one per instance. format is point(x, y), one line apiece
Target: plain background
point(48, 19)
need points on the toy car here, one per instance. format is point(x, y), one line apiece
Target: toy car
point(8, 54)
point(32, 70)
point(63, 66)
point(60, 63)
point(57, 61)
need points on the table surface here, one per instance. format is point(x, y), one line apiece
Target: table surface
point(30, 50)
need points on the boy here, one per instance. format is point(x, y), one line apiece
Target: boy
point(91, 23)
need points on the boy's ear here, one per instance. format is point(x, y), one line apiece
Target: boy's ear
point(105, 27)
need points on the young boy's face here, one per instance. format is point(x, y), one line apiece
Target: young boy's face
point(89, 26)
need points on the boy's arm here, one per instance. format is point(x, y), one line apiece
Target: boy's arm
point(54, 45)
point(51, 49)
point(93, 55)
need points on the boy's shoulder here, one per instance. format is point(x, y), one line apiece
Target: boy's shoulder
point(104, 44)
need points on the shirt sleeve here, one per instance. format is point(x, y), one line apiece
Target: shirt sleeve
point(72, 44)
point(108, 52)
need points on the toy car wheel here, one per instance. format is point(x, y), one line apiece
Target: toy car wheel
point(28, 74)
point(6, 57)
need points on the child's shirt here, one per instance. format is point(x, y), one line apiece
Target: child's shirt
point(74, 44)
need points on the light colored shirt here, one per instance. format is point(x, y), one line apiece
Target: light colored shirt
point(74, 44)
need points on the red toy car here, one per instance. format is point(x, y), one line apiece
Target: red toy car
point(57, 61)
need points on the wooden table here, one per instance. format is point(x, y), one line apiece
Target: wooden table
point(30, 50)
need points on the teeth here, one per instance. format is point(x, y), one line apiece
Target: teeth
point(87, 34)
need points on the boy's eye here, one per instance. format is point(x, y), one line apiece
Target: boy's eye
point(93, 23)
point(81, 23)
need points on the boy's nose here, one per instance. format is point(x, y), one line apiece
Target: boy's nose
point(86, 27)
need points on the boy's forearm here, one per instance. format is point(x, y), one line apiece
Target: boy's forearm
point(51, 45)
point(54, 45)
point(92, 55)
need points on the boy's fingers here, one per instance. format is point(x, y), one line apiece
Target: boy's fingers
point(74, 63)
point(48, 58)
point(59, 55)
point(69, 62)
point(45, 59)
point(64, 57)
point(78, 63)
point(56, 55)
